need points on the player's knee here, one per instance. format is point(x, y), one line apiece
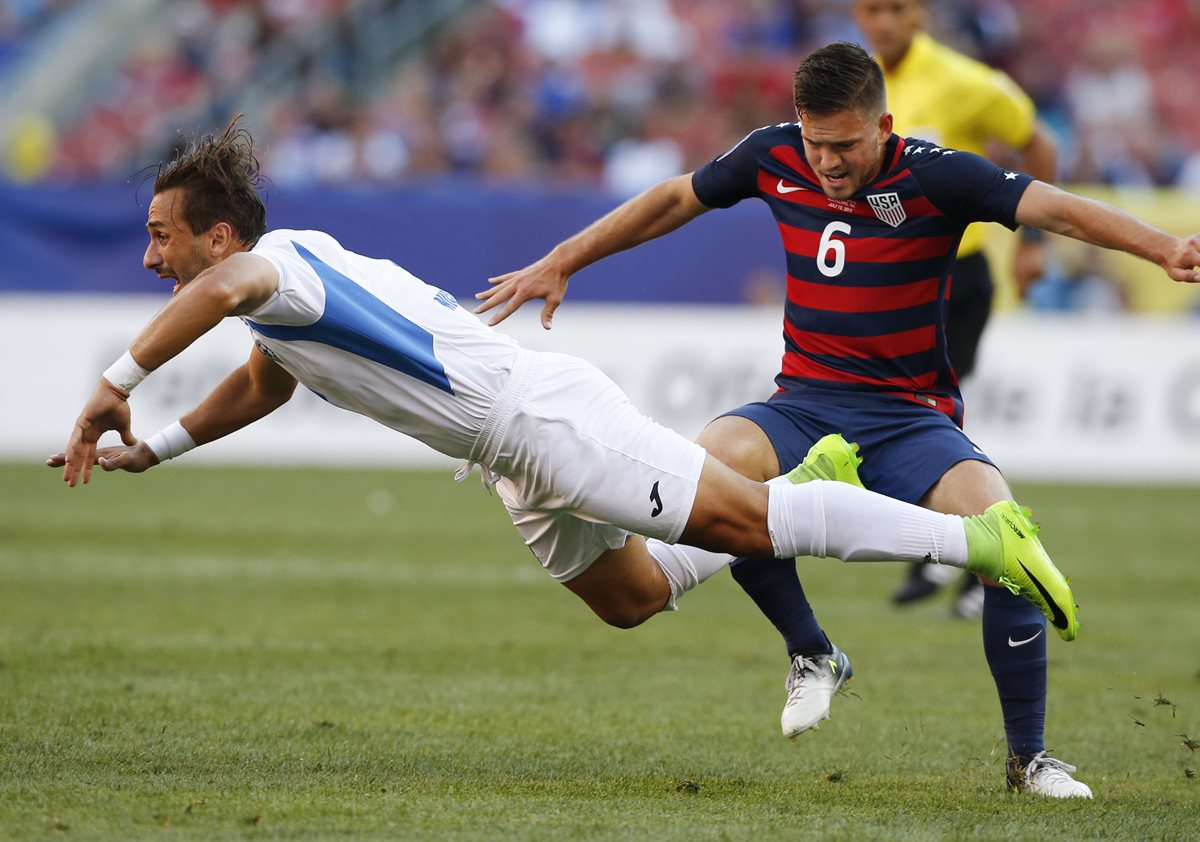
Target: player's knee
point(747, 455)
point(630, 607)
point(624, 619)
point(625, 615)
point(624, 587)
point(734, 453)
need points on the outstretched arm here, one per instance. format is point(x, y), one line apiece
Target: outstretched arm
point(238, 284)
point(660, 210)
point(249, 393)
point(1102, 224)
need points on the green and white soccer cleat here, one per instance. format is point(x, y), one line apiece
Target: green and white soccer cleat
point(832, 458)
point(1002, 545)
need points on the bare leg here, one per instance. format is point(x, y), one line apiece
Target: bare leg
point(624, 587)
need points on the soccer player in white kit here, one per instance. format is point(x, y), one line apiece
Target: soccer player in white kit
point(583, 474)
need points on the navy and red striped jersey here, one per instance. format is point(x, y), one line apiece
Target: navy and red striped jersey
point(867, 277)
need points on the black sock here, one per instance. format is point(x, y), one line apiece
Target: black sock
point(776, 590)
point(1014, 642)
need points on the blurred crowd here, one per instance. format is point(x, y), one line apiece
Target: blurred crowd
point(21, 21)
point(611, 94)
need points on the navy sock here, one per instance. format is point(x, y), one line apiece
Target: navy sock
point(1014, 642)
point(775, 588)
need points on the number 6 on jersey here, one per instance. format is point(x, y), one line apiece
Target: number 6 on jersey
point(828, 246)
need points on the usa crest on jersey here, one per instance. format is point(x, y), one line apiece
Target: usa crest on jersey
point(888, 208)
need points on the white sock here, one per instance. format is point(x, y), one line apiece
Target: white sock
point(834, 519)
point(685, 567)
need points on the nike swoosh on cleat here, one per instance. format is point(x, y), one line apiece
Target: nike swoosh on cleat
point(1059, 619)
point(1015, 643)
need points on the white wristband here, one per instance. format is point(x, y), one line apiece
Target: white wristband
point(125, 373)
point(170, 441)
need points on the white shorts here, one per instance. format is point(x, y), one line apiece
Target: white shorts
point(581, 468)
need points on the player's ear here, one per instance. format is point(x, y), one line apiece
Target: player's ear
point(885, 125)
point(220, 239)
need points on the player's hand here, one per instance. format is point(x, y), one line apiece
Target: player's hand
point(1029, 264)
point(107, 409)
point(538, 280)
point(120, 457)
point(1182, 263)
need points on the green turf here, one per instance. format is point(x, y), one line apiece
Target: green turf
point(202, 653)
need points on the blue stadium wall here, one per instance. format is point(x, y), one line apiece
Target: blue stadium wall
point(90, 239)
point(1055, 397)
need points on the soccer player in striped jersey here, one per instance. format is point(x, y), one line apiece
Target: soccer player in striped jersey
point(583, 474)
point(870, 223)
point(936, 93)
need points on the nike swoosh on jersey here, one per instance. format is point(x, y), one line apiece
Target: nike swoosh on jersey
point(1015, 643)
point(1059, 619)
point(785, 188)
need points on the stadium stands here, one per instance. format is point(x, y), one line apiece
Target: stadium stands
point(550, 110)
point(602, 97)
point(609, 93)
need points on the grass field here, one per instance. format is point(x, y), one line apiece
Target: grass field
point(209, 653)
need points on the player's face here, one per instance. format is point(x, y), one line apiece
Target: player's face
point(174, 251)
point(845, 149)
point(889, 25)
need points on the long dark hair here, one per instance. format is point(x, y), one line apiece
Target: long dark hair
point(219, 178)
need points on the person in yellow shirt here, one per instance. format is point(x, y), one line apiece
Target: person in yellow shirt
point(935, 93)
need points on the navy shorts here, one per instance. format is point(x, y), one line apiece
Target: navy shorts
point(905, 447)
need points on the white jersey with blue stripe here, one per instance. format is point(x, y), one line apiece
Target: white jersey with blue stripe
point(368, 336)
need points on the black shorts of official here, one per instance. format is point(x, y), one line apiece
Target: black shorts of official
point(970, 305)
